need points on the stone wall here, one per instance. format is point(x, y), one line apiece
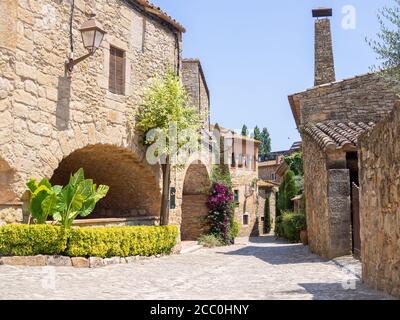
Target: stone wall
point(316, 194)
point(46, 116)
point(194, 213)
point(379, 164)
point(365, 98)
point(327, 194)
point(265, 172)
point(195, 83)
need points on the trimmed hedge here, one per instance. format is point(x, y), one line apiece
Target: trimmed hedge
point(26, 240)
point(121, 241)
point(31, 240)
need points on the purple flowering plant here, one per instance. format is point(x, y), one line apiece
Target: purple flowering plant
point(220, 201)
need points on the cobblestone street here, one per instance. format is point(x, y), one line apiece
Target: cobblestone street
point(259, 269)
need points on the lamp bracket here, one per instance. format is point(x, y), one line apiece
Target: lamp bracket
point(73, 62)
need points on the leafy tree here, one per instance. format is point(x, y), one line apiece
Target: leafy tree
point(245, 131)
point(257, 136)
point(387, 46)
point(167, 105)
point(295, 163)
point(290, 189)
point(267, 217)
point(265, 146)
point(282, 196)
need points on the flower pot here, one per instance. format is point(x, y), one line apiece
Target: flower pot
point(304, 237)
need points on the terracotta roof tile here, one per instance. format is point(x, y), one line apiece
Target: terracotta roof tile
point(333, 135)
point(155, 10)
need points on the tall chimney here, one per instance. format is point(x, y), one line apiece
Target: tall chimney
point(324, 63)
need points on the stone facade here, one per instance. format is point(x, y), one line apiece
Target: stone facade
point(51, 124)
point(196, 85)
point(379, 164)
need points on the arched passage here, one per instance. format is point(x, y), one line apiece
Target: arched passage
point(194, 202)
point(134, 188)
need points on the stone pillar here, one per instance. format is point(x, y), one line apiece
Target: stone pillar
point(324, 62)
point(339, 206)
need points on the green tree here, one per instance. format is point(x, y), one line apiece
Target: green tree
point(267, 216)
point(282, 196)
point(290, 189)
point(245, 131)
point(295, 163)
point(169, 122)
point(265, 146)
point(387, 46)
point(257, 136)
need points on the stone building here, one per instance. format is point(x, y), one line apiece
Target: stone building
point(196, 85)
point(241, 154)
point(379, 163)
point(330, 117)
point(52, 122)
point(267, 169)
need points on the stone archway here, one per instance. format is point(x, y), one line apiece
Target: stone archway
point(194, 202)
point(134, 187)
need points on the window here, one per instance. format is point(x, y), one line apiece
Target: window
point(117, 71)
point(273, 176)
point(246, 219)
point(236, 196)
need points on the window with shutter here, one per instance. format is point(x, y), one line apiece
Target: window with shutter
point(117, 71)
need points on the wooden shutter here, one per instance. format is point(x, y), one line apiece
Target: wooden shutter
point(117, 71)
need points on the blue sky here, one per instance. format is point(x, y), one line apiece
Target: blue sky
point(256, 53)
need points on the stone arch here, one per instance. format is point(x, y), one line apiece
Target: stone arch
point(134, 186)
point(194, 201)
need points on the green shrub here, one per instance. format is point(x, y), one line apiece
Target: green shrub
point(210, 241)
point(234, 230)
point(30, 240)
point(292, 224)
point(121, 241)
point(26, 240)
point(279, 232)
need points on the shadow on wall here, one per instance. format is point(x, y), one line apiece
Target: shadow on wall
point(63, 103)
point(281, 253)
point(341, 291)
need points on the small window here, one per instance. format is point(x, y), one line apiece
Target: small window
point(246, 219)
point(236, 196)
point(117, 71)
point(273, 176)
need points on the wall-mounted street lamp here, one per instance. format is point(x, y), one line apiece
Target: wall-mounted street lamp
point(92, 35)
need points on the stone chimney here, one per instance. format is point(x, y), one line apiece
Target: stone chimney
point(324, 63)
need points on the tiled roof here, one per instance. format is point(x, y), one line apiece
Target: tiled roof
point(153, 9)
point(333, 135)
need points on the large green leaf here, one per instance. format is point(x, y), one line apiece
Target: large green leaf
point(32, 185)
point(49, 204)
point(45, 182)
point(77, 178)
point(38, 197)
